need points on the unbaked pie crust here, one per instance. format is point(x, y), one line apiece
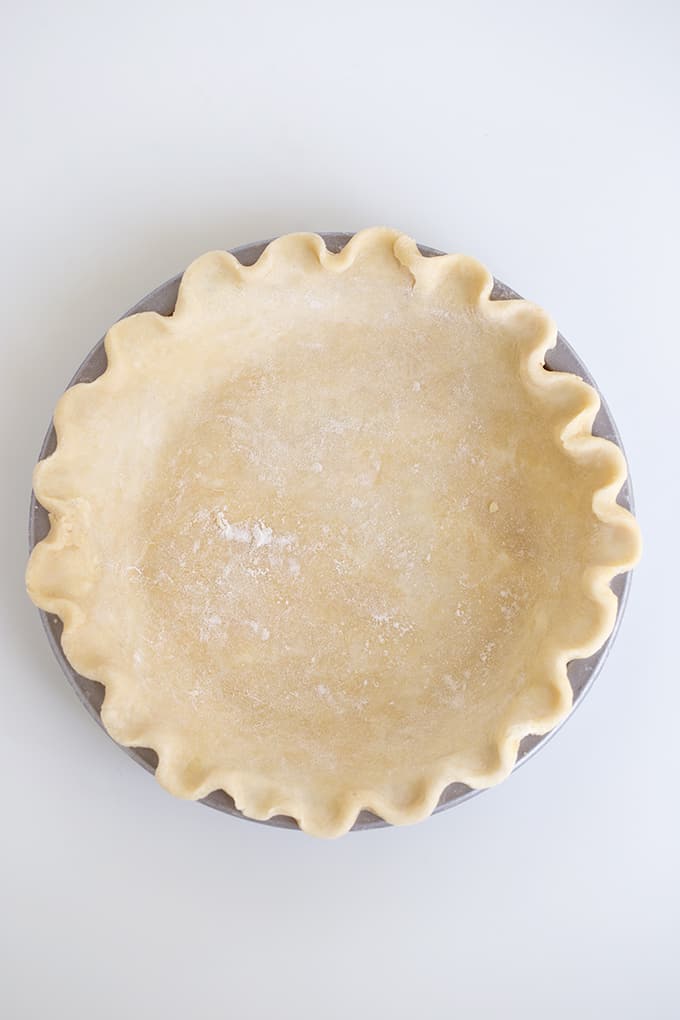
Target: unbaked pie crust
point(330, 533)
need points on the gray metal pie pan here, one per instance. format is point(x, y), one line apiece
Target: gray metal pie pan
point(582, 672)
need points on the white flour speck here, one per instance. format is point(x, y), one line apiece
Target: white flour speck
point(232, 532)
point(340, 425)
point(262, 535)
point(257, 534)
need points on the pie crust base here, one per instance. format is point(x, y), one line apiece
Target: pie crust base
point(330, 533)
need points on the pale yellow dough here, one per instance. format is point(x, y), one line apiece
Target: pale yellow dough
point(330, 534)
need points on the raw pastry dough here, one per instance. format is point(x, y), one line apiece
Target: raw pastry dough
point(330, 533)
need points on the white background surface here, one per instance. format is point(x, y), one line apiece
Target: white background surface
point(542, 139)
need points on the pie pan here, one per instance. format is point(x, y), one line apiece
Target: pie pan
point(582, 672)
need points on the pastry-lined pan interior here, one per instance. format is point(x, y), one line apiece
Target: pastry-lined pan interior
point(582, 672)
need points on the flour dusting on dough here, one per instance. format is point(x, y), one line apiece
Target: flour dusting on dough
point(331, 542)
